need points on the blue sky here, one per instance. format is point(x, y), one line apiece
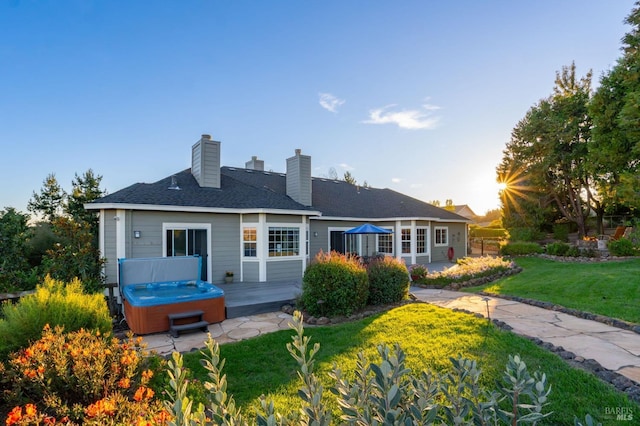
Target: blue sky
point(416, 96)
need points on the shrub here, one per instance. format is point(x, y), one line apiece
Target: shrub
point(524, 234)
point(520, 248)
point(468, 268)
point(84, 377)
point(485, 232)
point(561, 231)
point(75, 255)
point(557, 249)
point(54, 303)
point(388, 281)
point(334, 284)
point(622, 247)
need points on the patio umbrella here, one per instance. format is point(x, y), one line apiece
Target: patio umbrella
point(367, 228)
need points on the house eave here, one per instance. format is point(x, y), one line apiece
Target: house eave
point(197, 209)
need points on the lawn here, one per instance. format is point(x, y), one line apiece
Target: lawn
point(429, 335)
point(606, 288)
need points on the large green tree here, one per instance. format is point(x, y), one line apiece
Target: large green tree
point(615, 108)
point(85, 188)
point(547, 155)
point(15, 272)
point(68, 246)
point(50, 201)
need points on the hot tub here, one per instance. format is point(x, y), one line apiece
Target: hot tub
point(154, 288)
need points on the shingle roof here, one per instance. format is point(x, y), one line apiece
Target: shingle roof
point(247, 189)
point(232, 194)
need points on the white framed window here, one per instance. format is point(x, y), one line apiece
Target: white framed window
point(421, 240)
point(250, 242)
point(284, 241)
point(385, 243)
point(441, 235)
point(405, 235)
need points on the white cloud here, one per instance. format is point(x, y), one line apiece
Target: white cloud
point(346, 166)
point(330, 102)
point(406, 119)
point(396, 180)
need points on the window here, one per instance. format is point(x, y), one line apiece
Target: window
point(284, 241)
point(250, 242)
point(385, 243)
point(405, 234)
point(421, 240)
point(441, 236)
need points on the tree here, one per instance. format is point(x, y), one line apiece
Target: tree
point(349, 178)
point(75, 255)
point(85, 189)
point(15, 273)
point(615, 109)
point(548, 151)
point(50, 201)
point(332, 173)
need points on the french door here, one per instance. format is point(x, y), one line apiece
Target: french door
point(188, 242)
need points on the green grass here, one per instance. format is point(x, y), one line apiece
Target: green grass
point(430, 336)
point(606, 288)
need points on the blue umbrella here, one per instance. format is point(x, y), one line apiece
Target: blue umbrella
point(367, 228)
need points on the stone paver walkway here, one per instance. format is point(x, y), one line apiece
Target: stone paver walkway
point(230, 330)
point(615, 349)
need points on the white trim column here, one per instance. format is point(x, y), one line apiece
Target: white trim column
point(397, 237)
point(262, 235)
point(414, 242)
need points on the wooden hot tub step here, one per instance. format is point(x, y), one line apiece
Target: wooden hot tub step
point(175, 329)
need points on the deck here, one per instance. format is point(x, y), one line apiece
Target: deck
point(251, 298)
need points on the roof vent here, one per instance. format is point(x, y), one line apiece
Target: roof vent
point(174, 183)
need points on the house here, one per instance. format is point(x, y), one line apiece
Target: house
point(465, 211)
point(266, 226)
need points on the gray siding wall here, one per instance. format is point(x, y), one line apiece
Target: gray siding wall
point(456, 240)
point(253, 217)
point(284, 270)
point(225, 239)
point(283, 218)
point(250, 271)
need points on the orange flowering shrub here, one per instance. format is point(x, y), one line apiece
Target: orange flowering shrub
point(79, 377)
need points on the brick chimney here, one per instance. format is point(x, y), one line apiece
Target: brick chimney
point(254, 164)
point(205, 162)
point(299, 178)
